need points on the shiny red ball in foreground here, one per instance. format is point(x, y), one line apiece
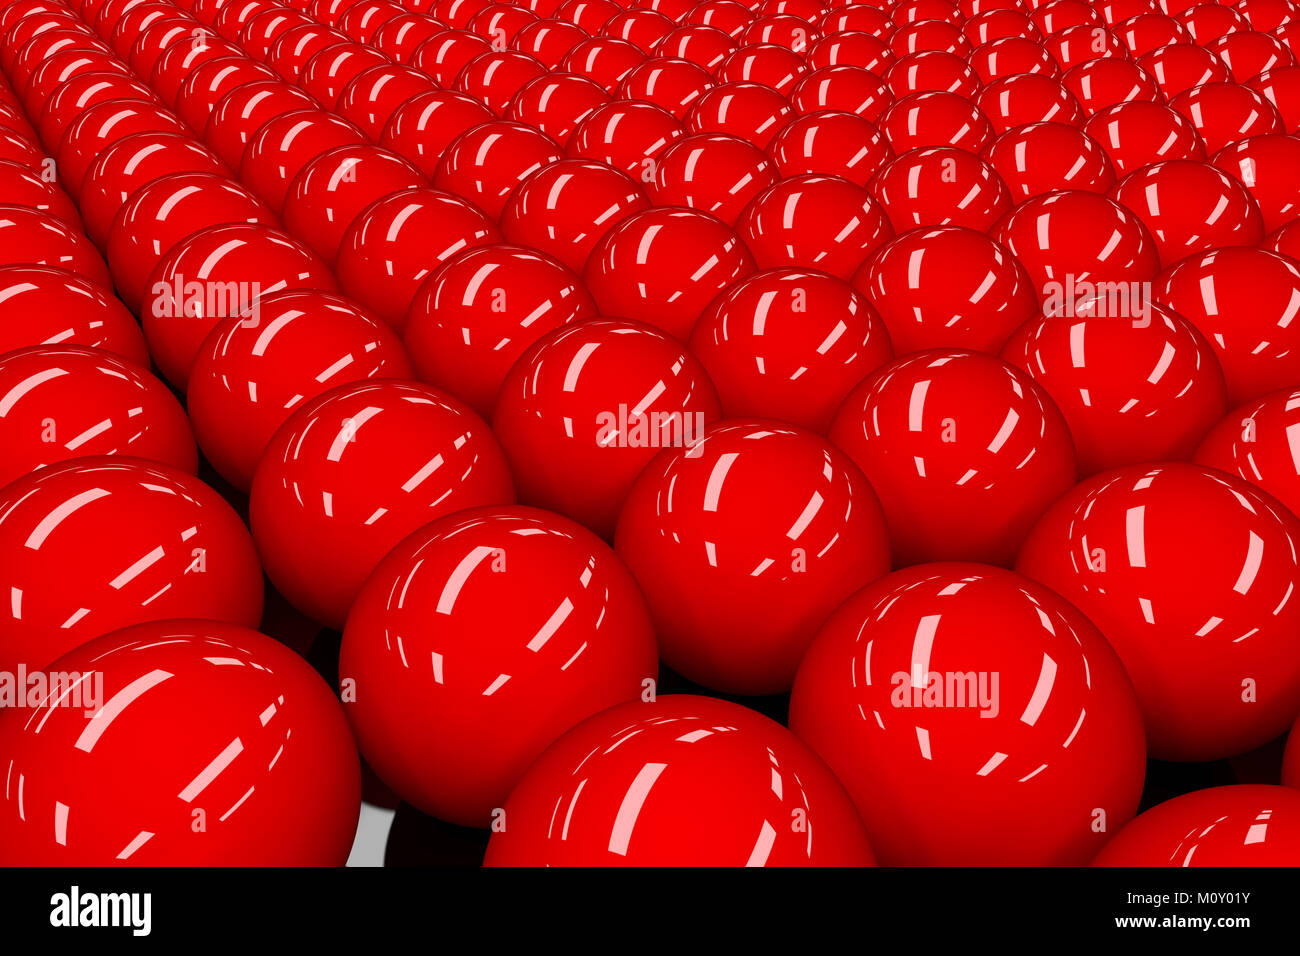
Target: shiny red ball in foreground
point(743, 541)
point(1192, 576)
point(165, 545)
point(1242, 825)
point(477, 642)
point(352, 473)
point(184, 743)
point(975, 718)
point(679, 781)
point(964, 451)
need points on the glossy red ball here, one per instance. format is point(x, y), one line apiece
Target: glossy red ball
point(353, 472)
point(664, 266)
point(395, 243)
point(252, 372)
point(167, 546)
point(210, 723)
point(947, 287)
point(588, 406)
point(570, 637)
point(962, 678)
point(680, 781)
point(1117, 547)
point(767, 528)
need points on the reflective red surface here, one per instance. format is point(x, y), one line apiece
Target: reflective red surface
point(449, 713)
point(947, 678)
point(587, 407)
point(963, 451)
point(211, 744)
point(168, 546)
point(352, 473)
point(1244, 825)
point(1116, 546)
point(742, 541)
point(679, 781)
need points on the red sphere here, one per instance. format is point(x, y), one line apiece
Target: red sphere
point(422, 128)
point(23, 186)
point(395, 243)
point(486, 163)
point(211, 723)
point(62, 402)
point(1281, 88)
point(846, 89)
point(745, 110)
point(712, 173)
point(1047, 157)
point(941, 186)
point(132, 162)
point(252, 372)
point(947, 287)
point(1191, 207)
point(814, 222)
point(279, 150)
point(1102, 83)
point(578, 438)
point(215, 274)
point(671, 84)
point(1078, 236)
point(1265, 165)
point(570, 636)
point(1025, 98)
point(166, 546)
point(32, 237)
point(480, 310)
point(1015, 663)
point(830, 143)
point(726, 784)
point(1135, 381)
point(784, 528)
point(160, 214)
point(556, 104)
point(245, 110)
point(1225, 113)
point(496, 76)
point(328, 73)
point(1254, 443)
point(102, 125)
point(352, 473)
point(1138, 134)
point(789, 345)
point(626, 135)
point(1245, 302)
point(1117, 547)
point(375, 94)
point(1236, 826)
point(45, 305)
point(964, 452)
point(565, 208)
point(332, 189)
point(936, 119)
point(664, 266)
